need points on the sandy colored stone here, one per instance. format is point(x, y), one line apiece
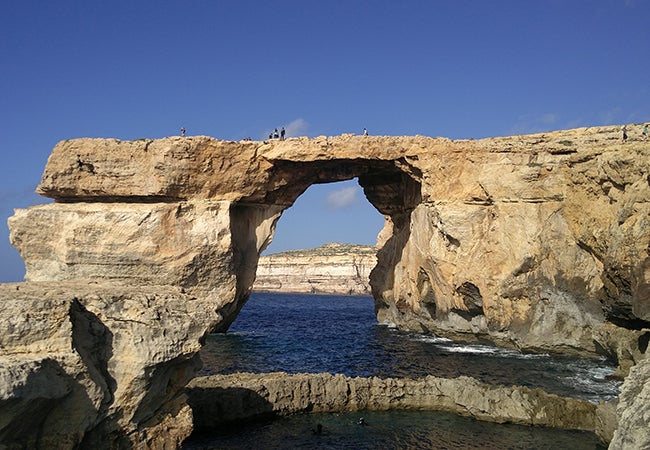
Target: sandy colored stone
point(533, 241)
point(538, 242)
point(219, 399)
point(97, 363)
point(633, 411)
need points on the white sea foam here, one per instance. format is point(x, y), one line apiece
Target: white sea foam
point(593, 379)
point(432, 339)
point(489, 350)
point(600, 373)
point(470, 349)
point(388, 324)
point(531, 355)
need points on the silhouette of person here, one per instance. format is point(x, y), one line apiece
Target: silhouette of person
point(624, 130)
point(275, 133)
point(645, 132)
point(282, 134)
point(182, 131)
point(365, 133)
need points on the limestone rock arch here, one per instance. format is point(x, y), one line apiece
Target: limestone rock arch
point(532, 241)
point(538, 242)
point(393, 191)
point(191, 212)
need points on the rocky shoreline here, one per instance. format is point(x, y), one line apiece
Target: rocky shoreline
point(218, 400)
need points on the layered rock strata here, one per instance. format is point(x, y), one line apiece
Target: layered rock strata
point(219, 399)
point(330, 269)
point(538, 242)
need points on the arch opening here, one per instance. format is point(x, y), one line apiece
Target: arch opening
point(327, 213)
point(392, 187)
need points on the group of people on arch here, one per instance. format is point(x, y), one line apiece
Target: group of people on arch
point(276, 135)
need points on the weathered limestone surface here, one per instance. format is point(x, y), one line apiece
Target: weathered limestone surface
point(633, 410)
point(330, 269)
point(538, 242)
point(146, 243)
point(97, 365)
point(219, 399)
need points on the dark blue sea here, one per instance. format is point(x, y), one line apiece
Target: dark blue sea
point(338, 334)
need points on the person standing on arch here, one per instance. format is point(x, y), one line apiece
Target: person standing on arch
point(365, 132)
point(282, 134)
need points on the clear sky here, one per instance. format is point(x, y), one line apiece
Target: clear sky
point(232, 69)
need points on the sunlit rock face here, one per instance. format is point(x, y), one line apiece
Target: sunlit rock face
point(97, 365)
point(633, 410)
point(538, 242)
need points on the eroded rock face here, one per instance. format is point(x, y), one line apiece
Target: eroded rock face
point(634, 409)
point(97, 366)
point(532, 241)
point(538, 242)
point(220, 399)
point(144, 243)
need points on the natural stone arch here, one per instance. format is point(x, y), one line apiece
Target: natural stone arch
point(393, 191)
point(479, 235)
point(538, 242)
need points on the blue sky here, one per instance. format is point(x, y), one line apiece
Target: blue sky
point(232, 69)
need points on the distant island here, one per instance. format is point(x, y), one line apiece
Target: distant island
point(332, 268)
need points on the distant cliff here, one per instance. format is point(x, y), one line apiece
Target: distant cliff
point(329, 269)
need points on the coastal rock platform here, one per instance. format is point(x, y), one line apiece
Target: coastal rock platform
point(218, 400)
